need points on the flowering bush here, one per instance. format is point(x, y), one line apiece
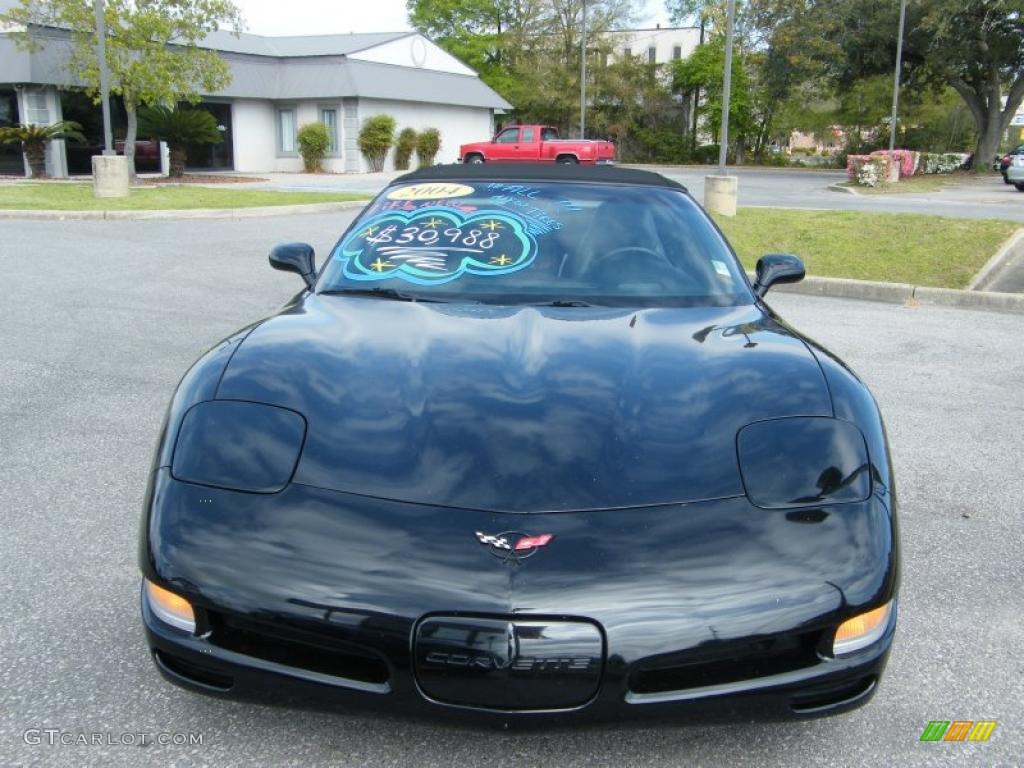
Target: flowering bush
point(853, 165)
point(946, 162)
point(868, 170)
point(907, 160)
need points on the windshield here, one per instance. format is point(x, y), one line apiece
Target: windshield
point(536, 243)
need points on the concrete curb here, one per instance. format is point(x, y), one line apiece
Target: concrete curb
point(837, 187)
point(200, 213)
point(1012, 247)
point(903, 293)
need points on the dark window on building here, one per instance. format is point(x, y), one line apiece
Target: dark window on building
point(652, 55)
point(677, 52)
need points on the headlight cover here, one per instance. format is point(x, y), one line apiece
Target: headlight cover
point(240, 446)
point(802, 461)
point(170, 607)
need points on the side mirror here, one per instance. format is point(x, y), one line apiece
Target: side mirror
point(776, 268)
point(295, 257)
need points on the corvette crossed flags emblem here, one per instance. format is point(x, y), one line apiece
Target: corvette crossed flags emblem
point(501, 544)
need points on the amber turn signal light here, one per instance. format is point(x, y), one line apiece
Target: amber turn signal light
point(862, 630)
point(170, 608)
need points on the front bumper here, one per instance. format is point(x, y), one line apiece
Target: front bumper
point(708, 610)
point(198, 663)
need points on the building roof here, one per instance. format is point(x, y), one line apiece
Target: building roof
point(281, 68)
point(603, 174)
point(324, 77)
point(297, 45)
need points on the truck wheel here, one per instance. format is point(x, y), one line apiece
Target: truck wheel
point(567, 160)
point(1020, 187)
point(474, 159)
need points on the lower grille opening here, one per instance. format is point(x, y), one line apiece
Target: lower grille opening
point(296, 648)
point(728, 663)
point(192, 673)
point(833, 697)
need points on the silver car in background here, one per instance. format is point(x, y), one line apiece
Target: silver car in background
point(1015, 172)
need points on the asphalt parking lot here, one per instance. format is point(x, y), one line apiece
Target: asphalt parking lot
point(100, 319)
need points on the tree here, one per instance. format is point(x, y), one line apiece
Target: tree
point(698, 12)
point(978, 48)
point(705, 69)
point(35, 138)
point(152, 46)
point(179, 128)
point(490, 36)
point(526, 50)
point(632, 105)
point(975, 47)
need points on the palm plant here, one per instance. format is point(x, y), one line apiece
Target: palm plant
point(35, 138)
point(179, 127)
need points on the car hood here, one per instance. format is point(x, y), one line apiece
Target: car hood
point(524, 409)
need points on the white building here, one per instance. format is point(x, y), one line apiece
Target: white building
point(659, 45)
point(278, 85)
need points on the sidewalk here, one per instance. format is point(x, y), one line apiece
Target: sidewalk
point(369, 183)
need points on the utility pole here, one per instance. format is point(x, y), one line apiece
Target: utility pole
point(896, 82)
point(726, 87)
point(101, 59)
point(110, 177)
point(720, 190)
point(583, 76)
point(696, 96)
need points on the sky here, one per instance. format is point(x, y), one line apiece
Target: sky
point(311, 17)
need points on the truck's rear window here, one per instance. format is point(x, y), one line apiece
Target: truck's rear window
point(512, 242)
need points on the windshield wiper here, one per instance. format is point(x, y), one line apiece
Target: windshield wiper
point(378, 293)
point(565, 303)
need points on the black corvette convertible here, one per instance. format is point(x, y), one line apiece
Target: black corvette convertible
point(530, 444)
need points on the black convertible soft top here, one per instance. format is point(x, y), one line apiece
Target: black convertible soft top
point(606, 174)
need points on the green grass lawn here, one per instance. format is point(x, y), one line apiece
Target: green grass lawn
point(891, 247)
point(79, 197)
point(909, 185)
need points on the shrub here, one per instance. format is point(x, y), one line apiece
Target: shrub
point(942, 162)
point(656, 145)
point(314, 142)
point(179, 128)
point(773, 159)
point(706, 154)
point(404, 147)
point(868, 170)
point(428, 144)
point(35, 138)
point(907, 160)
point(375, 139)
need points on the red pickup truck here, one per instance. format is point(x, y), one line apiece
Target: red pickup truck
point(536, 144)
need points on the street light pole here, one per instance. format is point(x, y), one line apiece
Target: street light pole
point(101, 58)
point(583, 76)
point(726, 87)
point(896, 82)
